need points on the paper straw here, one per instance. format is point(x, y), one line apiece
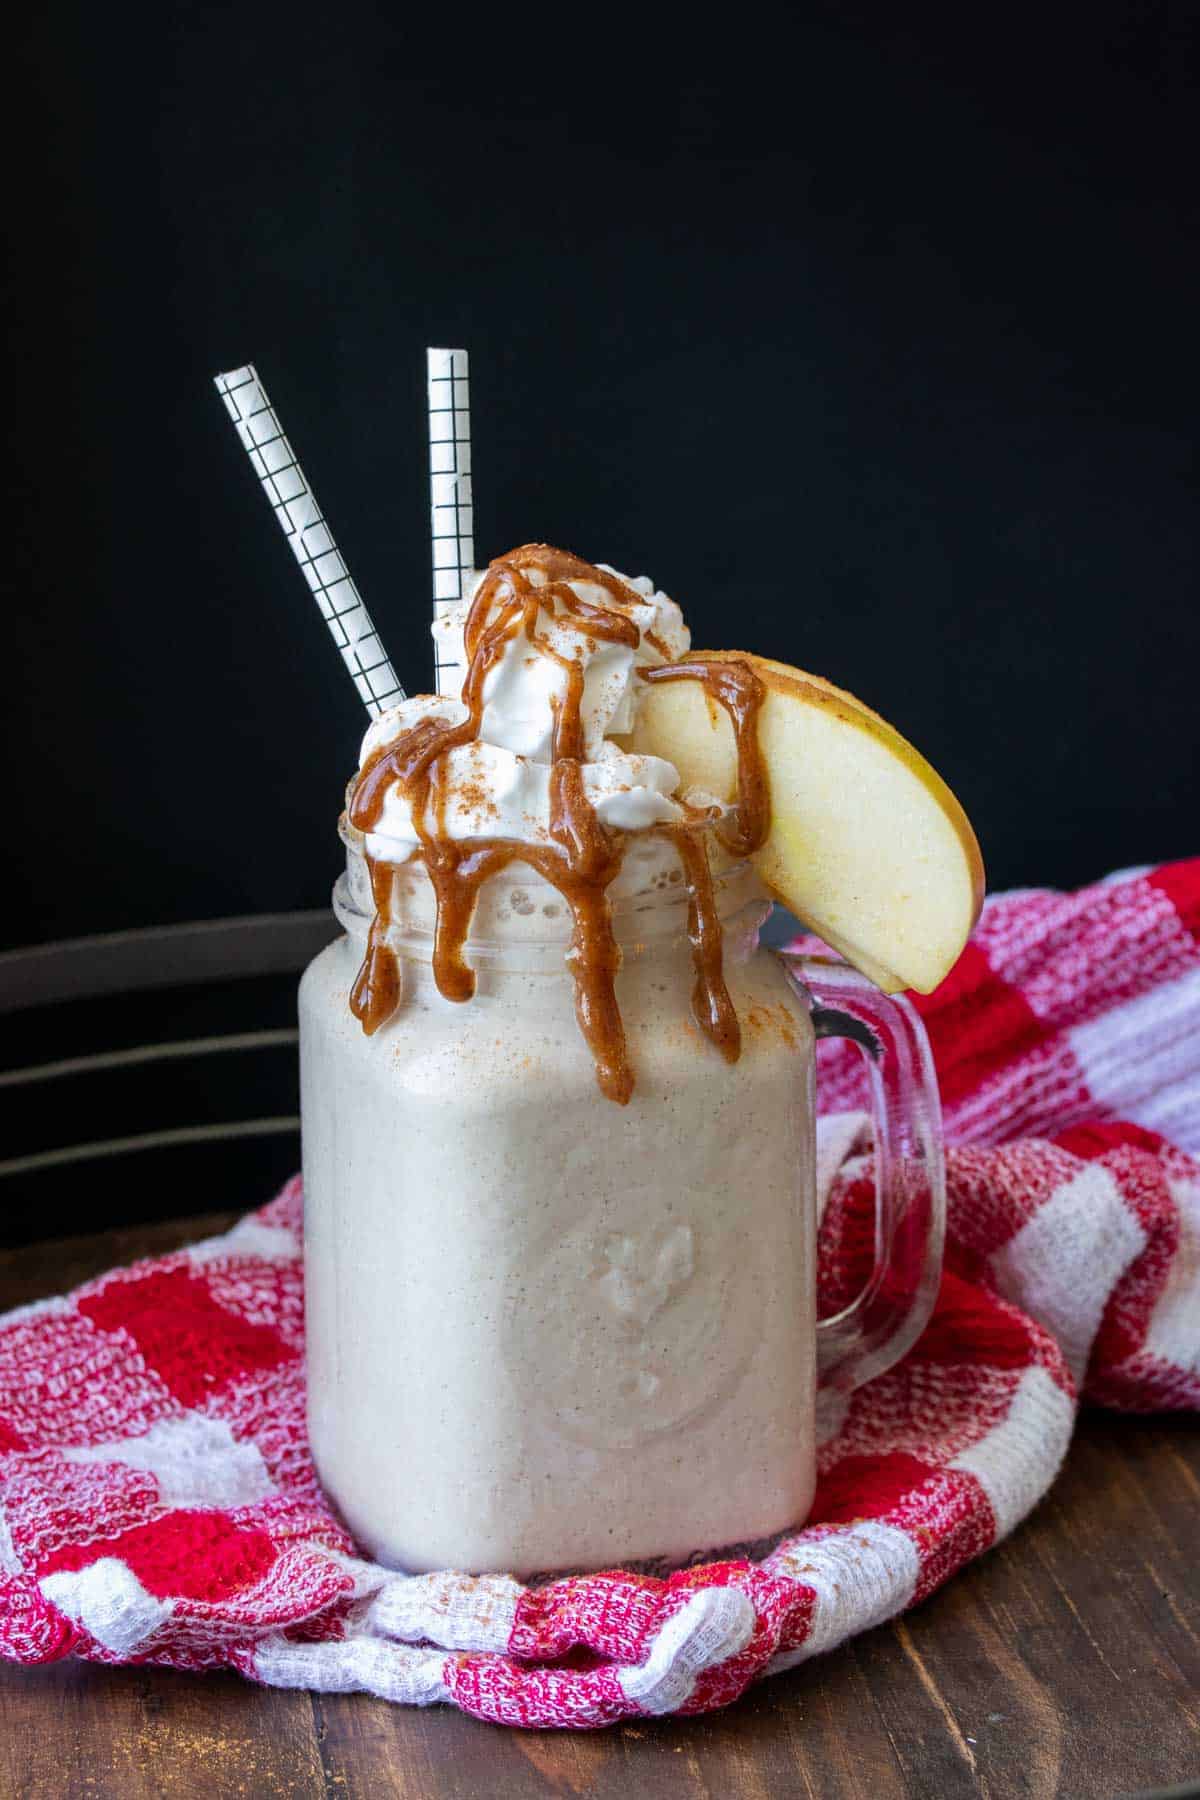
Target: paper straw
point(303, 523)
point(451, 507)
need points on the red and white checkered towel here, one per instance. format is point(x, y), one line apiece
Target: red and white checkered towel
point(158, 1504)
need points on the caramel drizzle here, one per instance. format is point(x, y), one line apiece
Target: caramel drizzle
point(712, 1008)
point(736, 688)
point(583, 856)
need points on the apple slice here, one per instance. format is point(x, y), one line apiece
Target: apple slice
point(867, 845)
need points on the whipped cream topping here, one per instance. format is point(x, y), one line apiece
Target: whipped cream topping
point(526, 768)
point(499, 785)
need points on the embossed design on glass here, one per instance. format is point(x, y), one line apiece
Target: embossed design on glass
point(641, 1272)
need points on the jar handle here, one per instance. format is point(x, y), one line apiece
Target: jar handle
point(890, 1313)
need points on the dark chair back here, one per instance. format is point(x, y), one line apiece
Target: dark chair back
point(150, 1074)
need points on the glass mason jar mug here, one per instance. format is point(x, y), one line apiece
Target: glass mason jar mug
point(548, 1332)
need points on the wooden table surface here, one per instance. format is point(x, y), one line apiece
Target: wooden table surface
point(1065, 1663)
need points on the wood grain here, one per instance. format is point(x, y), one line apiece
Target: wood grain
point(1064, 1666)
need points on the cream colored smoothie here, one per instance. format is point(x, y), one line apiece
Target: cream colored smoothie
point(545, 1331)
point(558, 1103)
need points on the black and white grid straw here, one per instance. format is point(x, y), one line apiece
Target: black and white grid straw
point(303, 523)
point(452, 515)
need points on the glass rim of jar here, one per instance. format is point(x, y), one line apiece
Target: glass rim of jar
point(645, 920)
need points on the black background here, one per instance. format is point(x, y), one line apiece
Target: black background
point(872, 340)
